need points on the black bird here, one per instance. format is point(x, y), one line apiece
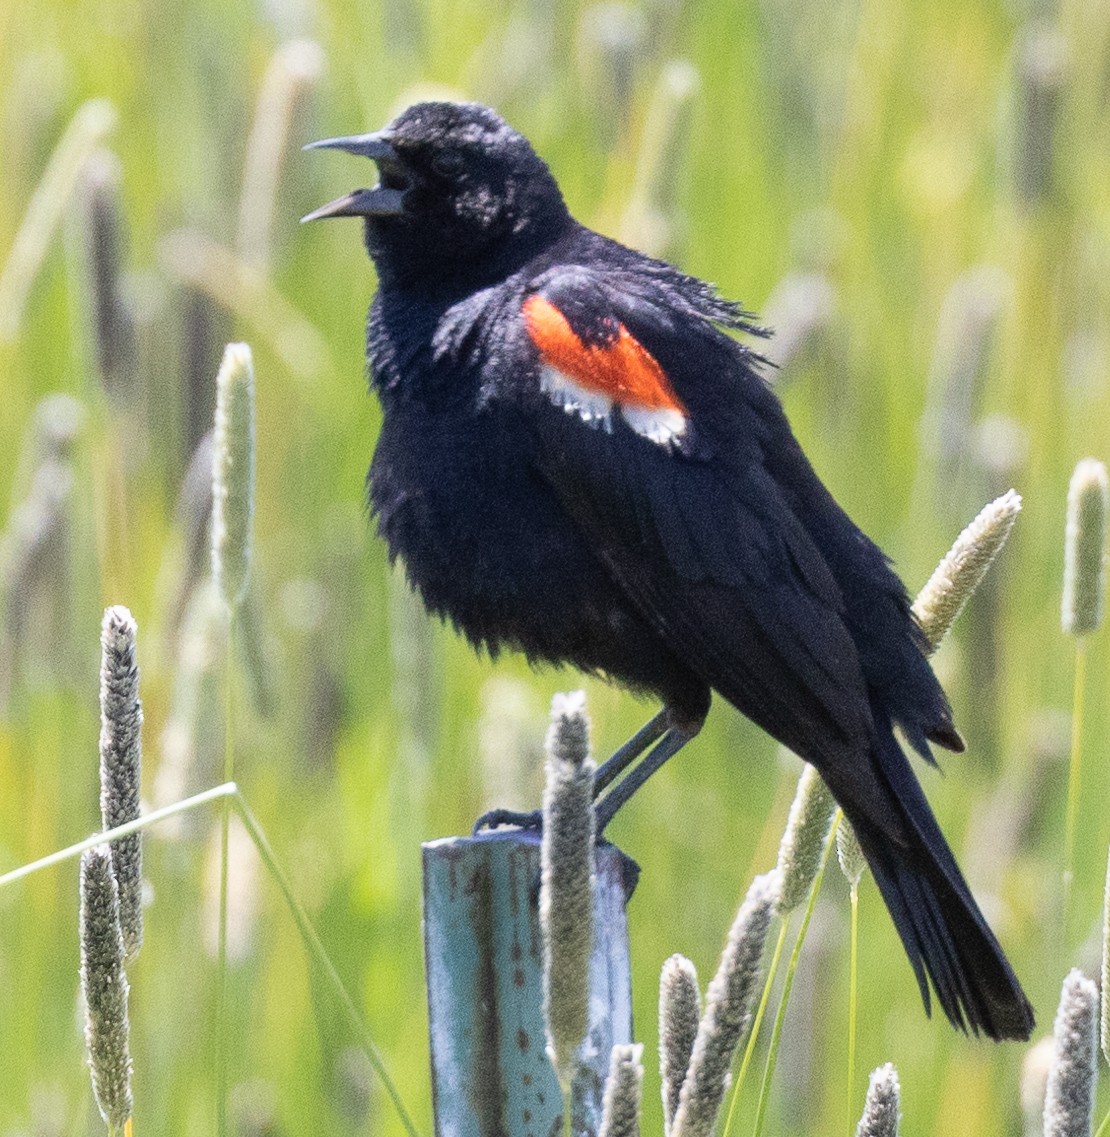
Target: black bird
point(576, 461)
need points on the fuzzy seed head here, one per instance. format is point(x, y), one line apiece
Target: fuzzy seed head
point(1069, 1103)
point(729, 1006)
point(853, 864)
point(803, 840)
point(880, 1111)
point(105, 988)
point(1085, 548)
point(679, 1015)
point(620, 1109)
point(962, 570)
point(233, 474)
point(121, 720)
point(1032, 1085)
point(567, 883)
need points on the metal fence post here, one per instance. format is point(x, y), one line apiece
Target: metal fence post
point(484, 961)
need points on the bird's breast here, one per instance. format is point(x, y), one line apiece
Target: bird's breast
point(481, 535)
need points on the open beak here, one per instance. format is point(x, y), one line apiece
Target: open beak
point(381, 201)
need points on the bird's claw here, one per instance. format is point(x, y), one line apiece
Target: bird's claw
point(499, 818)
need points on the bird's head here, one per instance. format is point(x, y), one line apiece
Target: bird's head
point(459, 191)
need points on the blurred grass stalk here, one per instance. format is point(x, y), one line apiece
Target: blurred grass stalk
point(958, 373)
point(293, 71)
point(1081, 613)
point(104, 233)
point(229, 792)
point(233, 476)
point(800, 309)
point(191, 735)
point(35, 552)
point(610, 48)
point(196, 260)
point(90, 125)
point(1042, 67)
point(650, 222)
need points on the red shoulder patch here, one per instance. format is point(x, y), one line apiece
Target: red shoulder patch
point(623, 371)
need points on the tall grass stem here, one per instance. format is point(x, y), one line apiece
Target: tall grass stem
point(91, 124)
point(853, 987)
point(222, 1025)
point(294, 69)
point(753, 1037)
point(1083, 598)
point(206, 797)
point(729, 1011)
point(319, 954)
point(309, 936)
point(788, 982)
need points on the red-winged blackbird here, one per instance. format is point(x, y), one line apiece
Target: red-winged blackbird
point(577, 462)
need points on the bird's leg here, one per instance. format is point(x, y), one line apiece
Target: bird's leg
point(624, 756)
point(673, 740)
point(662, 730)
point(610, 769)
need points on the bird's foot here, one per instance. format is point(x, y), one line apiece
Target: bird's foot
point(532, 822)
point(499, 818)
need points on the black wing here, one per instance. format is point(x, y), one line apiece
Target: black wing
point(699, 535)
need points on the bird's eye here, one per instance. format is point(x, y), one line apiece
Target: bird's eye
point(447, 163)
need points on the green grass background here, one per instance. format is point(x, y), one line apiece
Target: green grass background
point(880, 144)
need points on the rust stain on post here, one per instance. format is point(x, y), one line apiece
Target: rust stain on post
point(487, 1091)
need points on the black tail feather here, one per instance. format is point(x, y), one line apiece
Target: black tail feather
point(946, 937)
point(946, 940)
